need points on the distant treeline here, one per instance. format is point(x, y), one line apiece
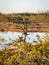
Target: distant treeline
point(17, 17)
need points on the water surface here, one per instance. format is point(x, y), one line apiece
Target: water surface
point(12, 36)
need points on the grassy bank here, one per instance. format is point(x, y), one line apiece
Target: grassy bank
point(13, 22)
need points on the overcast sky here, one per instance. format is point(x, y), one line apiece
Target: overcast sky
point(14, 6)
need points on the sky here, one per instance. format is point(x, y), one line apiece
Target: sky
point(21, 6)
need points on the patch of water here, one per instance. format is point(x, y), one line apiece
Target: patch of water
point(12, 36)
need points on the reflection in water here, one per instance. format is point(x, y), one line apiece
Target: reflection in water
point(12, 36)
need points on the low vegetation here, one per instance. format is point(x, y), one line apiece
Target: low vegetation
point(12, 22)
point(24, 53)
